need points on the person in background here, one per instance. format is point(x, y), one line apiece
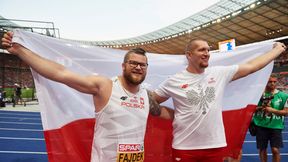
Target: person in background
point(197, 94)
point(2, 98)
point(17, 95)
point(269, 120)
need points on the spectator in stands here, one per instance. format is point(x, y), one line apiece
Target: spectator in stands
point(206, 137)
point(2, 98)
point(269, 120)
point(17, 94)
point(122, 95)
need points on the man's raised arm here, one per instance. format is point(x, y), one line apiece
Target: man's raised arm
point(260, 61)
point(50, 69)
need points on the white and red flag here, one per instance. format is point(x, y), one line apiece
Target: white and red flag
point(68, 115)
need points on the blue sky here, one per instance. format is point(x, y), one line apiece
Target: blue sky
point(103, 19)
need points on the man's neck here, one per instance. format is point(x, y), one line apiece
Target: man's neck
point(272, 91)
point(195, 70)
point(128, 86)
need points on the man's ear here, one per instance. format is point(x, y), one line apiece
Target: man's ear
point(188, 54)
point(123, 66)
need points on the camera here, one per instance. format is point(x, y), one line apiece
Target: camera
point(265, 100)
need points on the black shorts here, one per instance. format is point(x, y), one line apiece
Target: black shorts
point(264, 135)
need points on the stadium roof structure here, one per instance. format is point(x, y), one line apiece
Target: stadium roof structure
point(5, 22)
point(246, 21)
point(41, 27)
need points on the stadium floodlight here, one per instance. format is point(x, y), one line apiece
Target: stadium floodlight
point(252, 5)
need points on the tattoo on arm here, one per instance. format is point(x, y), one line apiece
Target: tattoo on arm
point(153, 105)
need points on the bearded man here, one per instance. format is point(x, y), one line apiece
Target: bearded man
point(121, 104)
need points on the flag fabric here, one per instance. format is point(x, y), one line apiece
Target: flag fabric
point(68, 116)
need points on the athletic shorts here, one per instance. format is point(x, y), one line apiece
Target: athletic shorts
point(202, 155)
point(264, 135)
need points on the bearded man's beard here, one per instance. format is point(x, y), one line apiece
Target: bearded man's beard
point(132, 80)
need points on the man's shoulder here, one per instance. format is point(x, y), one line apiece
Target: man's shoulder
point(281, 93)
point(222, 67)
point(174, 76)
point(114, 78)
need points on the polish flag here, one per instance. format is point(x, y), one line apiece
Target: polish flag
point(68, 115)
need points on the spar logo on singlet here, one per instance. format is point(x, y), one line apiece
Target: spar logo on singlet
point(130, 153)
point(133, 102)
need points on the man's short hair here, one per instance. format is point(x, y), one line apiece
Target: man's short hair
point(190, 44)
point(272, 79)
point(137, 50)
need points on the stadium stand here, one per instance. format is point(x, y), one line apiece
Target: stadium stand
point(247, 21)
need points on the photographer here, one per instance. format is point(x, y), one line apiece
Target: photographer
point(269, 120)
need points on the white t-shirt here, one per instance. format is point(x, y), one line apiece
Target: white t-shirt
point(120, 126)
point(197, 100)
